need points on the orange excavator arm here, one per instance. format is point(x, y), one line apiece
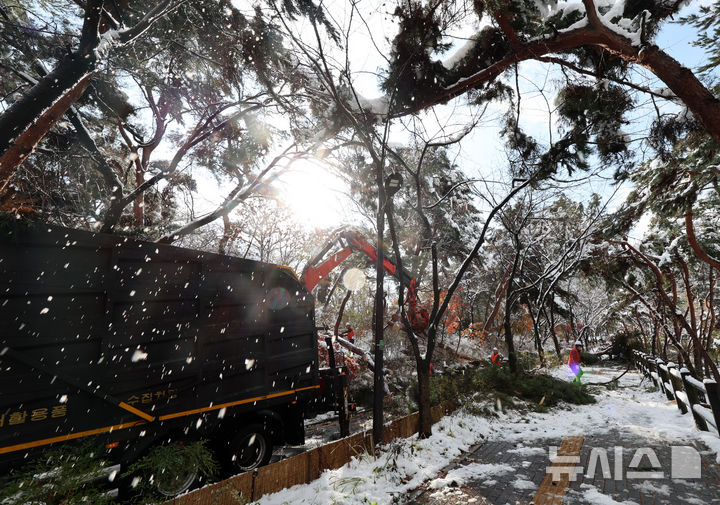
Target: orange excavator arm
point(352, 242)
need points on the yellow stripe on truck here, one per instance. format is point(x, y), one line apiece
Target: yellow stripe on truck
point(106, 429)
point(233, 404)
point(71, 436)
point(135, 411)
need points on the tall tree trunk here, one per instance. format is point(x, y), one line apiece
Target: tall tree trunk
point(690, 298)
point(226, 236)
point(378, 386)
point(551, 322)
point(655, 337)
point(512, 357)
point(500, 292)
point(536, 333)
point(341, 313)
point(711, 322)
point(138, 205)
point(424, 408)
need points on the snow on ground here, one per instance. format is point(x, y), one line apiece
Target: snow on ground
point(593, 495)
point(527, 451)
point(405, 464)
point(400, 468)
point(650, 488)
point(472, 471)
point(634, 408)
point(523, 483)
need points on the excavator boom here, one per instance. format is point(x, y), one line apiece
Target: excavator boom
point(352, 242)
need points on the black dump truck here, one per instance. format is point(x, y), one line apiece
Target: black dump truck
point(131, 344)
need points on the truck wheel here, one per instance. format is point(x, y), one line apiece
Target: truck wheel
point(173, 484)
point(250, 448)
point(180, 474)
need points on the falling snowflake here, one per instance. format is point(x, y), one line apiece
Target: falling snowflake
point(138, 355)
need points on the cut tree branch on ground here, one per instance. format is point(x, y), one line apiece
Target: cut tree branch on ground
point(613, 380)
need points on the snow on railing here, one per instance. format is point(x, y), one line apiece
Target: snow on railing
point(706, 414)
point(669, 386)
point(696, 383)
point(682, 397)
point(701, 399)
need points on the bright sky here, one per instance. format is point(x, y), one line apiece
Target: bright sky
point(316, 196)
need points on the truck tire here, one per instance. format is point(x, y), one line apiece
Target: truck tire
point(250, 448)
point(171, 485)
point(182, 477)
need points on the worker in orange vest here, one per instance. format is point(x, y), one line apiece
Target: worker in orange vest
point(574, 361)
point(496, 357)
point(349, 333)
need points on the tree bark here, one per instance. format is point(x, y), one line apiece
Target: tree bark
point(690, 229)
point(655, 337)
point(25, 124)
point(690, 297)
point(499, 295)
point(341, 313)
point(53, 93)
point(424, 408)
point(28, 120)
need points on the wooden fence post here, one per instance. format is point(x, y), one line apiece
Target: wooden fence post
point(677, 385)
point(652, 362)
point(656, 366)
point(639, 361)
point(713, 397)
point(662, 374)
point(693, 399)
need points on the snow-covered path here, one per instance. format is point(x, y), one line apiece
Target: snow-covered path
point(472, 459)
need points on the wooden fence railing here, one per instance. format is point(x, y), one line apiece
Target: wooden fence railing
point(300, 469)
point(701, 399)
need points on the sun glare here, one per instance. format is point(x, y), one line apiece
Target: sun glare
point(317, 198)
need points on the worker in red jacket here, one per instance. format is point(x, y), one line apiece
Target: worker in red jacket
point(574, 361)
point(496, 357)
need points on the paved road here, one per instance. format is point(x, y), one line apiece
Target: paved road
point(652, 482)
point(630, 465)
